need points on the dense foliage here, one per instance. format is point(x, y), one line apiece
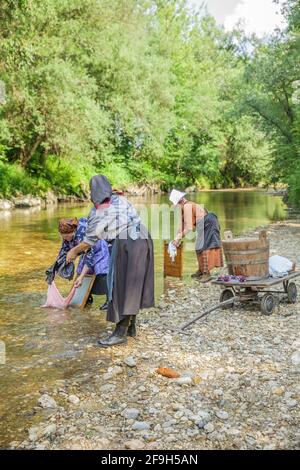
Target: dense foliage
point(146, 91)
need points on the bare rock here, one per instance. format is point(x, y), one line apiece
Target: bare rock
point(295, 358)
point(140, 426)
point(46, 401)
point(130, 413)
point(130, 361)
point(73, 399)
point(5, 205)
point(27, 201)
point(134, 444)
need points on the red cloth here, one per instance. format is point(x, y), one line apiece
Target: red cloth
point(210, 259)
point(56, 300)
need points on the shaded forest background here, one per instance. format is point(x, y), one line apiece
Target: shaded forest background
point(147, 92)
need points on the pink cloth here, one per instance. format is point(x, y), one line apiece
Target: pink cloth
point(56, 300)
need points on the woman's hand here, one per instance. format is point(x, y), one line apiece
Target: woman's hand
point(78, 282)
point(71, 255)
point(176, 243)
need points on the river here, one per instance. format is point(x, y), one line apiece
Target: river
point(43, 346)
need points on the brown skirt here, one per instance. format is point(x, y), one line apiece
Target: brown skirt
point(209, 259)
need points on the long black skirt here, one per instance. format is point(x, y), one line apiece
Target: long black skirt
point(133, 283)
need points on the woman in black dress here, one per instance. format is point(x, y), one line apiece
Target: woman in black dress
point(131, 270)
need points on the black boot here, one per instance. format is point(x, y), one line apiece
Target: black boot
point(132, 327)
point(119, 336)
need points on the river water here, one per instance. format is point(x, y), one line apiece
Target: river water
point(38, 347)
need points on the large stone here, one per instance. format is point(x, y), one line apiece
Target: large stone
point(295, 358)
point(5, 205)
point(209, 427)
point(27, 201)
point(73, 399)
point(46, 401)
point(37, 432)
point(134, 444)
point(130, 361)
point(113, 371)
point(50, 198)
point(130, 413)
point(140, 426)
point(222, 415)
point(50, 430)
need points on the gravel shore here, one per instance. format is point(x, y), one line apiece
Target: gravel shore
point(238, 388)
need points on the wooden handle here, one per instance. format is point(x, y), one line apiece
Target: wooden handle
point(228, 235)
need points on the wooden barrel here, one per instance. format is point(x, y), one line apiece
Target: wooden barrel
point(247, 256)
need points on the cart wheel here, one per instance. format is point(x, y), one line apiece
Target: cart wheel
point(267, 304)
point(292, 293)
point(226, 294)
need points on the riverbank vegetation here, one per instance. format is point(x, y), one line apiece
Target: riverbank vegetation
point(146, 91)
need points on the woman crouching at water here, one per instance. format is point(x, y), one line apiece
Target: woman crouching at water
point(131, 270)
point(94, 261)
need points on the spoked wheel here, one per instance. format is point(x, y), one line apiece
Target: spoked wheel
point(267, 305)
point(226, 294)
point(292, 293)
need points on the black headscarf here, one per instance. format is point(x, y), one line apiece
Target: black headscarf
point(100, 189)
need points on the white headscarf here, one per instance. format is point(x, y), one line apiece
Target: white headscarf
point(176, 196)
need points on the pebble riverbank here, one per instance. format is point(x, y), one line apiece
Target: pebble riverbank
point(238, 388)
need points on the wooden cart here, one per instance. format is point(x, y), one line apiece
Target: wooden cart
point(260, 291)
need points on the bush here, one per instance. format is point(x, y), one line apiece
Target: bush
point(68, 176)
point(15, 181)
point(117, 174)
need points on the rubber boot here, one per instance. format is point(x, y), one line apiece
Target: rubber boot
point(132, 327)
point(197, 275)
point(119, 336)
point(104, 306)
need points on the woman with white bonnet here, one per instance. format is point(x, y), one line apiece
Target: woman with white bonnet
point(195, 217)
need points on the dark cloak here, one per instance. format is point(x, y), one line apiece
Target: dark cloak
point(61, 267)
point(133, 283)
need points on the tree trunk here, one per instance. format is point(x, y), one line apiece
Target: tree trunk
point(26, 155)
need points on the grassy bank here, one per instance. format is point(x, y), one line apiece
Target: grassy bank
point(60, 176)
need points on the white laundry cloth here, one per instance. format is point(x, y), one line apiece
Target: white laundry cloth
point(279, 266)
point(172, 250)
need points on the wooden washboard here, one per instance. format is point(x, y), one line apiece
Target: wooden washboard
point(83, 292)
point(173, 268)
